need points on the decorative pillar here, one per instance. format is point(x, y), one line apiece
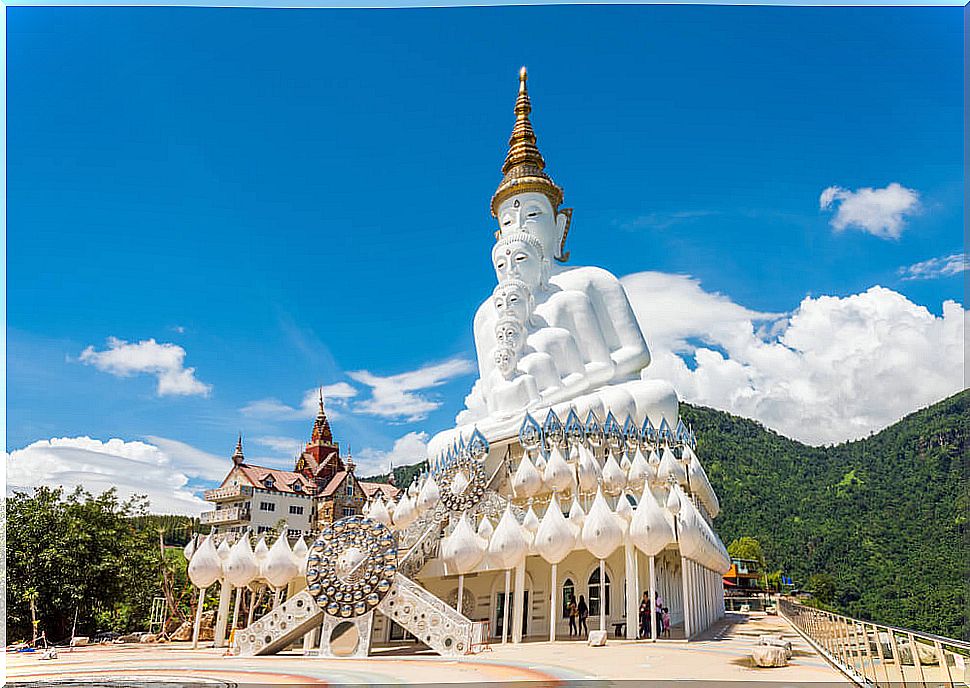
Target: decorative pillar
point(632, 603)
point(235, 608)
point(222, 616)
point(602, 595)
point(505, 606)
point(653, 599)
point(461, 591)
point(198, 619)
point(518, 612)
point(683, 578)
point(553, 585)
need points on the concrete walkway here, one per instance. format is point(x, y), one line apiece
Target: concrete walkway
point(719, 657)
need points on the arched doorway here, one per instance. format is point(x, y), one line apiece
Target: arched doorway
point(568, 593)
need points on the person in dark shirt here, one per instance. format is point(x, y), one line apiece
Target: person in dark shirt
point(644, 616)
point(583, 611)
point(572, 611)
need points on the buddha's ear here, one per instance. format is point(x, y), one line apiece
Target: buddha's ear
point(564, 219)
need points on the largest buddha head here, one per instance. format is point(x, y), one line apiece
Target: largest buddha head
point(527, 200)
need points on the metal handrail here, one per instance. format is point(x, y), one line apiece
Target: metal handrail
point(872, 654)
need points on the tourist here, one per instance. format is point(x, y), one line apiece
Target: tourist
point(572, 611)
point(644, 630)
point(666, 622)
point(659, 613)
point(583, 611)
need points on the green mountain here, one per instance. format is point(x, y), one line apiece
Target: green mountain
point(885, 517)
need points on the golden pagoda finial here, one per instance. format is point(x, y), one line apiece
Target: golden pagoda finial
point(524, 166)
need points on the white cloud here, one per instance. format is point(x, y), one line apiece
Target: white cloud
point(936, 267)
point(880, 212)
point(164, 361)
point(282, 445)
point(335, 396)
point(160, 470)
point(409, 449)
point(833, 369)
point(394, 396)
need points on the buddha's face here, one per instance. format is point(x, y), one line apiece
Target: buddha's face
point(510, 299)
point(509, 334)
point(533, 213)
point(505, 360)
point(518, 259)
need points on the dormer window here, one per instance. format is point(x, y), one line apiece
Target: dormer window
point(297, 487)
point(269, 482)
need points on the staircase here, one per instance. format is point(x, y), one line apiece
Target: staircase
point(430, 620)
point(283, 626)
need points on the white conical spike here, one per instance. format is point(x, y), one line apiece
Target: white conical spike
point(464, 548)
point(404, 513)
point(673, 500)
point(300, 552)
point(278, 568)
point(508, 544)
point(639, 470)
point(625, 463)
point(429, 495)
point(189, 548)
point(261, 550)
point(555, 538)
point(650, 530)
point(223, 550)
point(602, 533)
point(557, 474)
point(623, 508)
point(379, 513)
point(576, 513)
point(531, 522)
point(614, 479)
point(205, 567)
point(241, 567)
point(485, 529)
point(527, 480)
point(588, 470)
point(670, 467)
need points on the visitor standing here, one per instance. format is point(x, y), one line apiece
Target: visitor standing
point(644, 616)
point(666, 622)
point(583, 611)
point(659, 613)
point(572, 611)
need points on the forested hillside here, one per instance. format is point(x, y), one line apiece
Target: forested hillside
point(886, 516)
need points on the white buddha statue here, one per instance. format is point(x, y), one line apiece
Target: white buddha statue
point(564, 309)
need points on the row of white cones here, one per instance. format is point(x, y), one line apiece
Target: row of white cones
point(241, 564)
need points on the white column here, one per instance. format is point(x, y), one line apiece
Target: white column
point(235, 608)
point(505, 606)
point(277, 598)
point(632, 603)
point(461, 591)
point(602, 595)
point(518, 613)
point(653, 599)
point(222, 616)
point(683, 578)
point(308, 641)
point(198, 620)
point(553, 585)
point(253, 598)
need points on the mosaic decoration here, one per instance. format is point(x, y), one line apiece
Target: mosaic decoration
point(351, 566)
point(462, 483)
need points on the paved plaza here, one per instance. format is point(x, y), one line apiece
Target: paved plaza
point(722, 655)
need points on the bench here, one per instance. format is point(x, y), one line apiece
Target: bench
point(619, 629)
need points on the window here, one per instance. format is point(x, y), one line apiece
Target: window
point(348, 511)
point(262, 529)
point(268, 482)
point(297, 487)
point(296, 509)
point(568, 593)
point(350, 488)
point(267, 506)
point(594, 592)
point(292, 532)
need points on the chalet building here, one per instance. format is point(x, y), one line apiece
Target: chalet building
point(321, 489)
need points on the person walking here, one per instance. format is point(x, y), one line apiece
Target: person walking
point(644, 616)
point(572, 611)
point(583, 611)
point(659, 612)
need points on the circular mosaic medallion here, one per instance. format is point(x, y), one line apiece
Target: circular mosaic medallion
point(351, 566)
point(462, 483)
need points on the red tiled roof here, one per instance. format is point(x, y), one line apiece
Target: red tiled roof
point(371, 489)
point(283, 481)
point(333, 484)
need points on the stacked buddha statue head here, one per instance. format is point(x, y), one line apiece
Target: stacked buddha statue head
point(527, 199)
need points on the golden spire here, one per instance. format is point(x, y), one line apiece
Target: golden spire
point(523, 168)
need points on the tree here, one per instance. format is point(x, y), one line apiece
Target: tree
point(822, 586)
point(746, 547)
point(78, 552)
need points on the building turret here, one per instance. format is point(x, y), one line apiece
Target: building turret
point(321, 426)
point(237, 455)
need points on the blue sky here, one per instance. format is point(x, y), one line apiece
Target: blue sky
point(290, 196)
